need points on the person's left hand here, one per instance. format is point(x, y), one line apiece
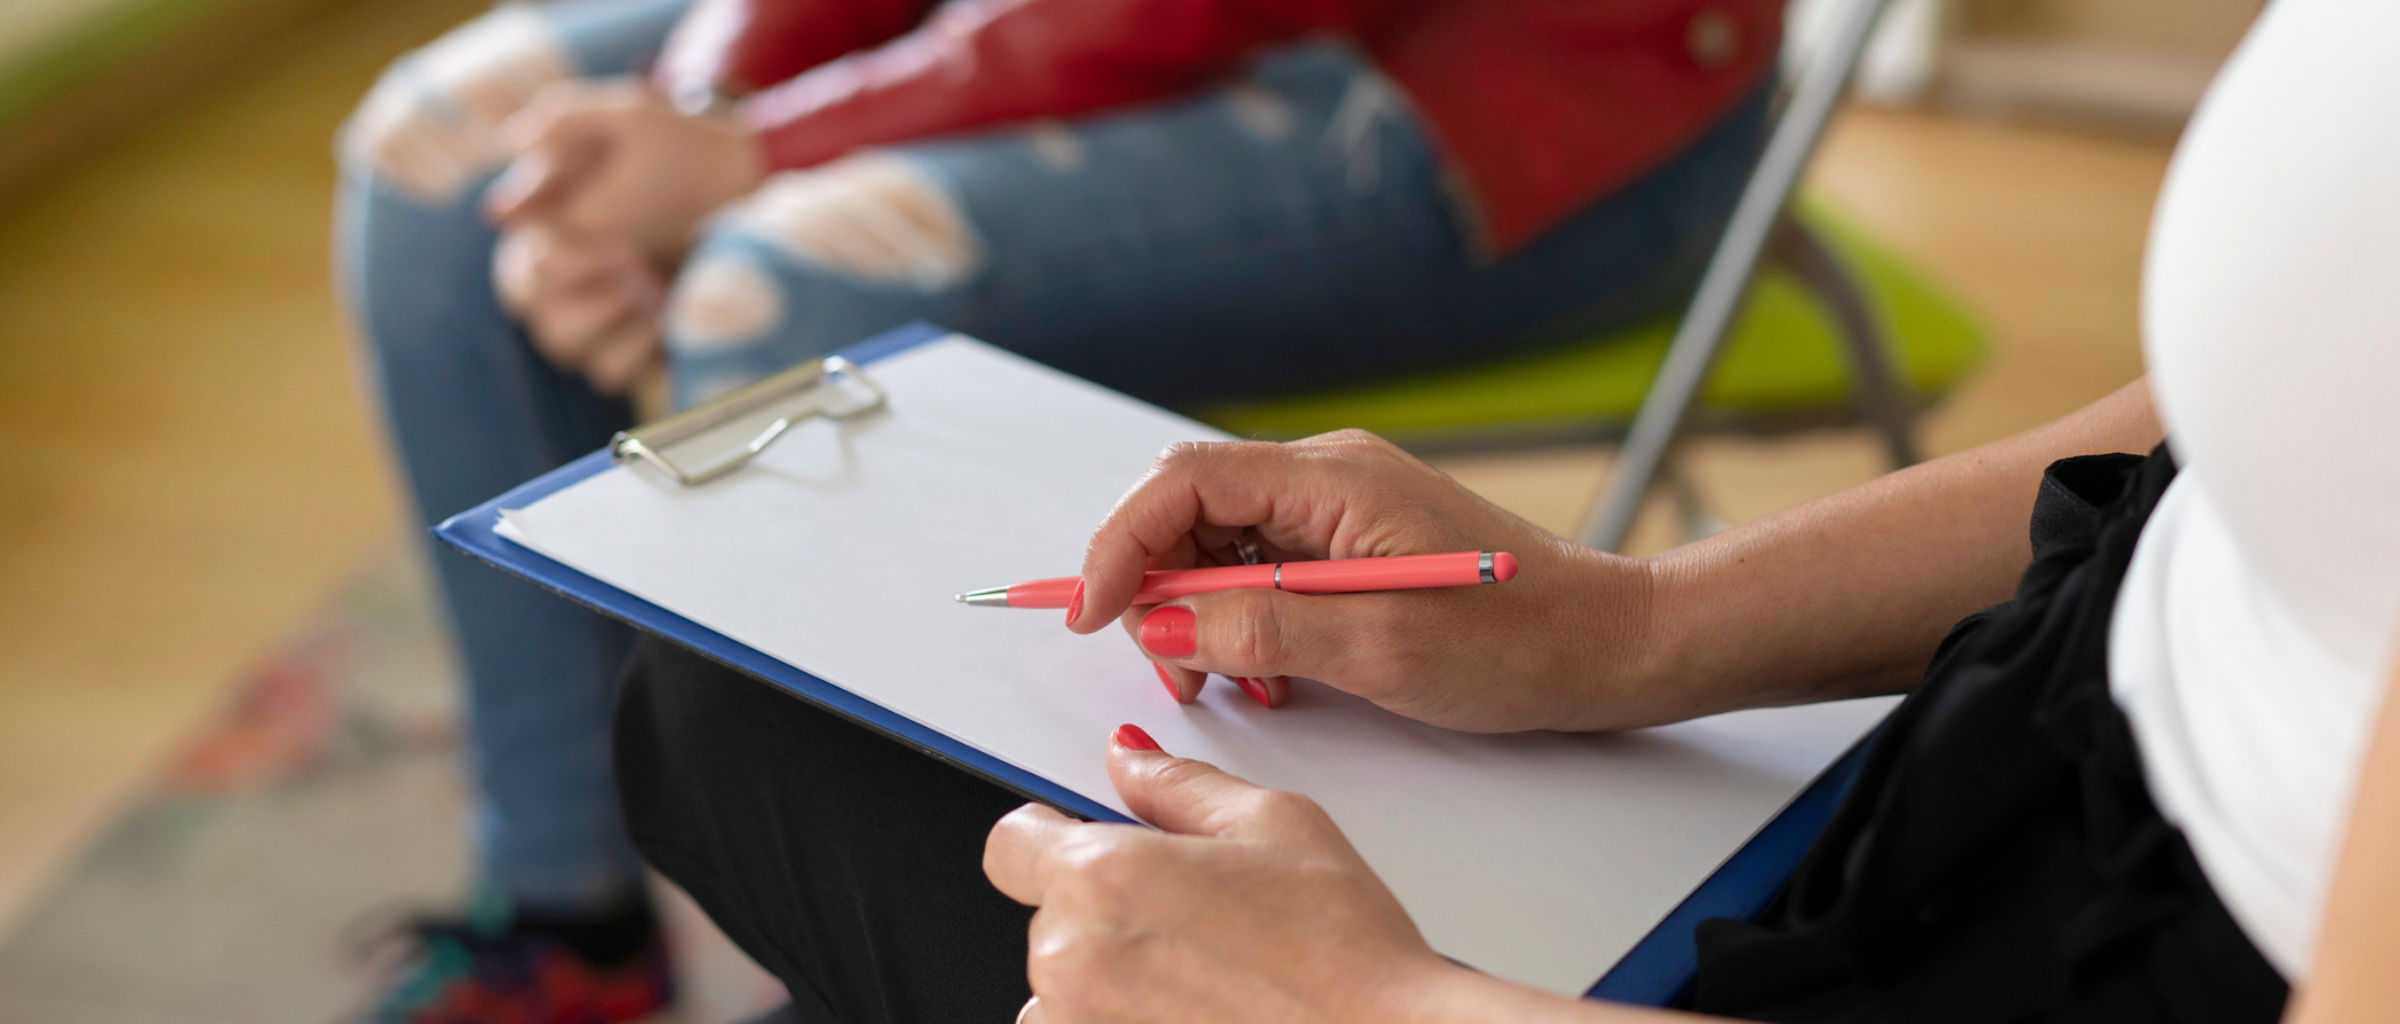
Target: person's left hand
point(590, 305)
point(613, 159)
point(1250, 906)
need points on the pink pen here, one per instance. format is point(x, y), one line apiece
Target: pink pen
point(1332, 576)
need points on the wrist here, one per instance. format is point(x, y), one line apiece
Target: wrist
point(1446, 993)
point(743, 151)
point(694, 96)
point(731, 165)
point(1694, 660)
point(1434, 991)
point(1631, 669)
point(1668, 666)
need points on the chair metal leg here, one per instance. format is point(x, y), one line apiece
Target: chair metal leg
point(1722, 285)
point(1882, 402)
point(1692, 516)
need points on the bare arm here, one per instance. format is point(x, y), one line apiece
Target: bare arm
point(1842, 596)
point(2354, 980)
point(1249, 905)
point(1849, 594)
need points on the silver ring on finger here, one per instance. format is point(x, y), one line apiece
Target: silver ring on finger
point(1245, 544)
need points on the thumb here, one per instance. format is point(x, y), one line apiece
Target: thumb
point(1177, 794)
point(1258, 633)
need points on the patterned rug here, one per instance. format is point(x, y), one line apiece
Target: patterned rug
point(326, 801)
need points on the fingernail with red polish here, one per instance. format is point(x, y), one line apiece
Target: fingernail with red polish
point(1075, 603)
point(1171, 632)
point(1131, 737)
point(1167, 679)
point(1255, 688)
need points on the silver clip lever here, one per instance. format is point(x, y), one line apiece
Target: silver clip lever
point(834, 388)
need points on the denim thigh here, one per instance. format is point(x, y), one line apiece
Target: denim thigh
point(471, 411)
point(1291, 231)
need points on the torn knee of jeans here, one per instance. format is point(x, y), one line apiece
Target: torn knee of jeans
point(1350, 136)
point(722, 302)
point(431, 126)
point(1262, 111)
point(1056, 146)
point(873, 217)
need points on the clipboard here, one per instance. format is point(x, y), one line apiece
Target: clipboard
point(1657, 971)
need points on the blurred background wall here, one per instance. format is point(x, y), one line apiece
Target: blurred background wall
point(222, 698)
point(75, 73)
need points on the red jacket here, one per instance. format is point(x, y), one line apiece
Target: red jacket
point(1538, 106)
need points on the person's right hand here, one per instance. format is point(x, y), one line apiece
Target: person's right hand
point(612, 158)
point(1566, 645)
point(591, 305)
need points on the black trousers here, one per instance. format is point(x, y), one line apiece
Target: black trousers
point(846, 864)
point(1998, 861)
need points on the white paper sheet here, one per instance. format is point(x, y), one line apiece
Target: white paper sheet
point(1537, 857)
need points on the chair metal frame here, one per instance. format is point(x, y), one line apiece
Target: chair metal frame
point(1761, 228)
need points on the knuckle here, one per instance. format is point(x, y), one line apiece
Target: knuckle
point(1110, 872)
point(1048, 968)
point(1183, 774)
point(543, 261)
point(1066, 968)
point(1075, 861)
point(1056, 957)
point(551, 102)
point(553, 345)
point(1283, 807)
point(1258, 637)
point(1195, 455)
point(1182, 455)
point(1173, 464)
point(514, 269)
point(1355, 443)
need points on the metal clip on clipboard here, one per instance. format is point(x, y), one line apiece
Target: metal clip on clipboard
point(834, 388)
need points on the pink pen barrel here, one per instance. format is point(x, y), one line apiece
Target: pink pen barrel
point(1168, 584)
point(1333, 576)
point(1051, 593)
point(1403, 572)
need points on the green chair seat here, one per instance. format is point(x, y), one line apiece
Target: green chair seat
point(1783, 363)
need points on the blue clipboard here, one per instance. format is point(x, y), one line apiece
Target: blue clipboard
point(1657, 972)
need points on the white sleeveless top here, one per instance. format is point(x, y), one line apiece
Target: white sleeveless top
point(2255, 628)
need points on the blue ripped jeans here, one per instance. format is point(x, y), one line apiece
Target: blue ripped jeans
point(1288, 231)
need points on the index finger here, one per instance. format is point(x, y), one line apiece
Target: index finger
point(1178, 794)
point(555, 141)
point(1214, 488)
point(1016, 854)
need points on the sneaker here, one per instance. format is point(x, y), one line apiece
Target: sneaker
point(487, 968)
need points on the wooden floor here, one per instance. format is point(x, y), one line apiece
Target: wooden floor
point(185, 466)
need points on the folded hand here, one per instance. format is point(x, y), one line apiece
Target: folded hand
point(590, 304)
point(613, 159)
